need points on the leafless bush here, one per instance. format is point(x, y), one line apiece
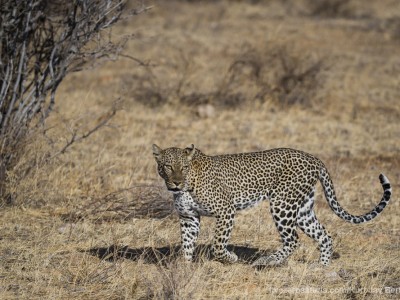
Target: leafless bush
point(390, 27)
point(150, 202)
point(298, 80)
point(286, 77)
point(41, 42)
point(147, 89)
point(330, 8)
point(279, 73)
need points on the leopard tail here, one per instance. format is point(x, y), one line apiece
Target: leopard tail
point(330, 196)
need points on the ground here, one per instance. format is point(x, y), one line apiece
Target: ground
point(229, 76)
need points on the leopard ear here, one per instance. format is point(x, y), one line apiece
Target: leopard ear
point(190, 151)
point(156, 152)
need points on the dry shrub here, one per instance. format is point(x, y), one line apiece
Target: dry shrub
point(42, 42)
point(146, 88)
point(389, 27)
point(330, 8)
point(134, 202)
point(278, 74)
point(297, 79)
point(287, 77)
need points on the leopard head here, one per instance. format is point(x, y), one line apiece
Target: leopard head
point(173, 165)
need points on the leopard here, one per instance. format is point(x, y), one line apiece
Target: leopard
point(218, 186)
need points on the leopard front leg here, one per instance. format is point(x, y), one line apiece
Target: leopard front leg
point(190, 227)
point(223, 231)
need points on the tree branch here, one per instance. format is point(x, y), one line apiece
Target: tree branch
point(75, 138)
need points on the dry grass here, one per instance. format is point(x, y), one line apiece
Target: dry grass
point(97, 222)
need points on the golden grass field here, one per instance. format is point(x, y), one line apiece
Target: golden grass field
point(229, 76)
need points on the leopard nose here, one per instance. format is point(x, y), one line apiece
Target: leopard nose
point(176, 183)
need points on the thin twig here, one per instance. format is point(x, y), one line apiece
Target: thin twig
point(140, 62)
point(75, 138)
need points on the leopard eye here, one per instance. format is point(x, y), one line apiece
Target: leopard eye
point(185, 168)
point(168, 168)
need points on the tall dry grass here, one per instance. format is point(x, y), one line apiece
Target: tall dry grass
point(97, 222)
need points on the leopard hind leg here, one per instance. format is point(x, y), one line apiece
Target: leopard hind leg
point(309, 224)
point(284, 215)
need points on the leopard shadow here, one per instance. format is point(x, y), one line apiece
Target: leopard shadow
point(150, 255)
